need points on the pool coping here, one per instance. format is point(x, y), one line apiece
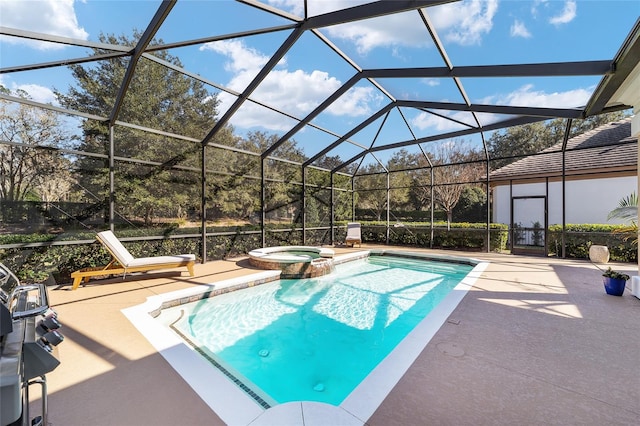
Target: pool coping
point(235, 407)
point(261, 253)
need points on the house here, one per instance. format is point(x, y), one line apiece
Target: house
point(600, 168)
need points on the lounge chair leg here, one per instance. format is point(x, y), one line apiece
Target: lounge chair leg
point(190, 268)
point(76, 282)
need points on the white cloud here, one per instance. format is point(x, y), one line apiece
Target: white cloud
point(36, 92)
point(295, 7)
point(296, 92)
point(315, 8)
point(242, 58)
point(567, 15)
point(469, 20)
point(55, 17)
point(519, 29)
point(463, 23)
point(389, 31)
point(527, 96)
point(425, 120)
point(536, 4)
point(356, 102)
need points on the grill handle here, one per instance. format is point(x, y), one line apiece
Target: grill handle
point(41, 306)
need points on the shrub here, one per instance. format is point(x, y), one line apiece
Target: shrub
point(462, 236)
point(579, 238)
point(35, 262)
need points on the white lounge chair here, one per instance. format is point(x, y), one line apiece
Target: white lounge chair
point(353, 235)
point(124, 262)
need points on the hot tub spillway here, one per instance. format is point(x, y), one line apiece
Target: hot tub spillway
point(320, 267)
point(294, 261)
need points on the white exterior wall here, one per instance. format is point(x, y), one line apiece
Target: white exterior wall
point(501, 204)
point(587, 201)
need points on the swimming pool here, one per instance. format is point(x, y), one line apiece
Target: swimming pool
point(316, 339)
point(371, 381)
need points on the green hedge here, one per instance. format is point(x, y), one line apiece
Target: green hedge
point(462, 236)
point(36, 263)
point(364, 215)
point(579, 238)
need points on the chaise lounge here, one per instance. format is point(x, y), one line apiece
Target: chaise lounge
point(123, 262)
point(353, 235)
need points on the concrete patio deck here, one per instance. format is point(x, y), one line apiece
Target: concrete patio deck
point(536, 341)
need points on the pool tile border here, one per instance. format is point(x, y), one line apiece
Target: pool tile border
point(215, 291)
point(229, 401)
point(264, 404)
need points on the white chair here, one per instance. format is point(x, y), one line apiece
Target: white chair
point(353, 235)
point(124, 262)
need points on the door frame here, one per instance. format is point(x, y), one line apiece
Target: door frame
point(522, 250)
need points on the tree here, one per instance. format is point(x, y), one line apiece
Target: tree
point(400, 181)
point(371, 184)
point(420, 192)
point(472, 206)
point(158, 98)
point(453, 169)
point(282, 194)
point(56, 186)
point(505, 146)
point(29, 161)
point(320, 201)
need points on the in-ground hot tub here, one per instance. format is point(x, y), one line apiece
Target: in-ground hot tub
point(294, 261)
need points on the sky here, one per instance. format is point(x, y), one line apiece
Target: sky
point(473, 32)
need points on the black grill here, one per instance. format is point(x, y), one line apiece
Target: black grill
point(28, 338)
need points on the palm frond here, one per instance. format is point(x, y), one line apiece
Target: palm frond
point(627, 208)
point(628, 232)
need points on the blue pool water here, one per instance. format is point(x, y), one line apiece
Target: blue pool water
point(317, 339)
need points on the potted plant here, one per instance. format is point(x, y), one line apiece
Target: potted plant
point(614, 282)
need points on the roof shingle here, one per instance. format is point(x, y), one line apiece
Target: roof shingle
point(608, 146)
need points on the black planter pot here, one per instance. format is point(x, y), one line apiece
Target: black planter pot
point(614, 286)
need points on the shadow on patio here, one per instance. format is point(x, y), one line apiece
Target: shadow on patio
point(536, 341)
